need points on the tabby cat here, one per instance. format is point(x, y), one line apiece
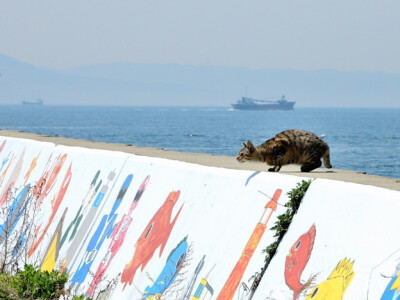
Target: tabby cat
point(289, 147)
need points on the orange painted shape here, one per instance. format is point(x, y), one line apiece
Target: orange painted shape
point(274, 201)
point(32, 167)
point(155, 235)
point(254, 239)
point(231, 285)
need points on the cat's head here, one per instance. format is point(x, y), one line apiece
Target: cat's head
point(248, 152)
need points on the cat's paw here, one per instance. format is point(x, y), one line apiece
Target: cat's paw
point(271, 169)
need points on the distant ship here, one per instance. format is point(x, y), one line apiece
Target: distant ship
point(245, 103)
point(36, 102)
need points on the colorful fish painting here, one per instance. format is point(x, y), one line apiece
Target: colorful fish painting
point(40, 191)
point(117, 239)
point(103, 232)
point(169, 273)
point(48, 178)
point(55, 204)
point(85, 226)
point(73, 226)
point(155, 235)
point(51, 254)
point(296, 261)
point(337, 283)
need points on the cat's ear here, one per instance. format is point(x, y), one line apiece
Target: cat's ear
point(250, 146)
point(244, 145)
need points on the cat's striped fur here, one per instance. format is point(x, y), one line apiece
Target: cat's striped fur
point(289, 147)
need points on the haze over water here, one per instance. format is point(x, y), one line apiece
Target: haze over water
point(365, 140)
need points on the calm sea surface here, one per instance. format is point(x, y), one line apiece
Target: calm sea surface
point(365, 140)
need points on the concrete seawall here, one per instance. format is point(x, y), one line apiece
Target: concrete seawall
point(175, 225)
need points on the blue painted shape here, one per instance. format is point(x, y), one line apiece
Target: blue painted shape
point(5, 161)
point(199, 290)
point(169, 272)
point(98, 199)
point(102, 232)
point(389, 294)
point(21, 242)
point(15, 212)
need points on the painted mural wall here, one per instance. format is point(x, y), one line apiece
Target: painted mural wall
point(144, 226)
point(343, 243)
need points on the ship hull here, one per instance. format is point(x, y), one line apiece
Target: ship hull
point(30, 103)
point(262, 107)
point(37, 102)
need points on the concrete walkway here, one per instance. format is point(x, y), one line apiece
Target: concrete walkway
point(222, 161)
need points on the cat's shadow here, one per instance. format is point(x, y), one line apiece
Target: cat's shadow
point(312, 172)
point(286, 172)
point(252, 176)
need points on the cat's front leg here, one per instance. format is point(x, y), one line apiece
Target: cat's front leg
point(275, 169)
point(277, 163)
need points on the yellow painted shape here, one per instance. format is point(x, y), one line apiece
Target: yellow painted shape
point(49, 261)
point(396, 284)
point(337, 283)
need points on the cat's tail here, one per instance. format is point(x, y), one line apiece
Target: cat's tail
point(327, 160)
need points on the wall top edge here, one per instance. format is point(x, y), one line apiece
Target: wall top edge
point(221, 161)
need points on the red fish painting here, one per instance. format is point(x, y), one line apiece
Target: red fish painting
point(55, 203)
point(296, 261)
point(155, 234)
point(48, 179)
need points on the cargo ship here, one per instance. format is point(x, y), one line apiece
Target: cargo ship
point(36, 102)
point(246, 103)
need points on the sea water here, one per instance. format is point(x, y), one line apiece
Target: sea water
point(365, 140)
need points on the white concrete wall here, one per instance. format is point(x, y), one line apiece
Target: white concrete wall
point(343, 243)
point(154, 226)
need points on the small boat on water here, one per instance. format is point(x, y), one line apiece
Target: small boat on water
point(36, 102)
point(246, 103)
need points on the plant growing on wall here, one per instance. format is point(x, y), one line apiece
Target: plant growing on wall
point(17, 226)
point(281, 227)
point(31, 283)
point(20, 277)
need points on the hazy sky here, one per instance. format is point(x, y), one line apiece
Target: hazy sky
point(299, 34)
